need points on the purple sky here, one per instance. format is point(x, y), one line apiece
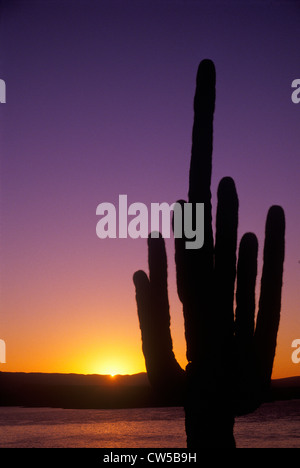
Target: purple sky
point(99, 103)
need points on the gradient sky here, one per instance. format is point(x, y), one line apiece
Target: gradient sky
point(100, 103)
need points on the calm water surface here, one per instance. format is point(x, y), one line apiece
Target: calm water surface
point(273, 425)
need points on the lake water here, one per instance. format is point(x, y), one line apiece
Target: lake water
point(273, 425)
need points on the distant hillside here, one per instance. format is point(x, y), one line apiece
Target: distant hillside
point(38, 378)
point(78, 391)
point(101, 391)
point(286, 389)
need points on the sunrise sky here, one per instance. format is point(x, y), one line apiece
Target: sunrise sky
point(100, 103)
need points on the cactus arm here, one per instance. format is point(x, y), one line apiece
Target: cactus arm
point(163, 370)
point(199, 263)
point(225, 263)
point(245, 292)
point(246, 391)
point(268, 316)
point(202, 135)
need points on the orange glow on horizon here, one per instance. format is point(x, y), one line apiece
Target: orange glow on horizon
point(96, 331)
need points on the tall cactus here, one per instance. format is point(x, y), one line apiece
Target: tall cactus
point(229, 359)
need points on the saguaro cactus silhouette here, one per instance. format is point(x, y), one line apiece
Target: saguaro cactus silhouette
point(230, 358)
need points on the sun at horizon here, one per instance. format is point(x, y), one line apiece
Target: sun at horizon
point(116, 365)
